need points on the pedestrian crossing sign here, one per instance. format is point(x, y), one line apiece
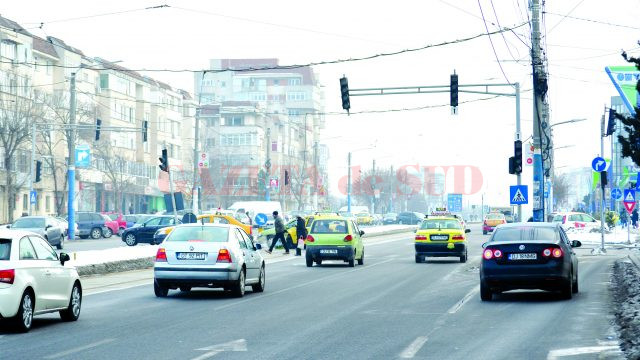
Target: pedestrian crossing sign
point(518, 194)
point(629, 195)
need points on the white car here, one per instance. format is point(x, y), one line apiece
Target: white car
point(576, 221)
point(34, 280)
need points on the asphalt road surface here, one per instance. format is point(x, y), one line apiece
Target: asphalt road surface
point(388, 308)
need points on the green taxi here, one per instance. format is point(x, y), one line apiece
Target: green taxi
point(334, 238)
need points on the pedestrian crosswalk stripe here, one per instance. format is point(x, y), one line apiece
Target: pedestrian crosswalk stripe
point(518, 197)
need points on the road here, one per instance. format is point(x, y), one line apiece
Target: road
point(389, 308)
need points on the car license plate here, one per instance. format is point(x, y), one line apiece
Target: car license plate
point(191, 256)
point(328, 251)
point(439, 237)
point(523, 256)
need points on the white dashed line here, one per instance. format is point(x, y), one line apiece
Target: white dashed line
point(414, 347)
point(79, 349)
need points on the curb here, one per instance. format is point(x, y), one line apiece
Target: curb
point(147, 262)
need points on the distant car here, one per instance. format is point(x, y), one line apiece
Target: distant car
point(65, 224)
point(111, 227)
point(334, 238)
point(208, 255)
point(529, 256)
point(34, 280)
point(576, 221)
point(390, 218)
point(410, 218)
point(491, 221)
point(144, 233)
point(364, 218)
point(291, 237)
point(162, 233)
point(91, 224)
point(45, 226)
point(120, 220)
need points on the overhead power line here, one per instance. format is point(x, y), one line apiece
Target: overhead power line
point(594, 21)
point(41, 24)
point(492, 46)
point(287, 67)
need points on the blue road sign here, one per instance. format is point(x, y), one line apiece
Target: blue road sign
point(638, 182)
point(83, 156)
point(261, 219)
point(616, 194)
point(454, 202)
point(33, 196)
point(598, 164)
point(518, 194)
point(629, 196)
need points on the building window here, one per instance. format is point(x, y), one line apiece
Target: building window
point(274, 146)
point(38, 197)
point(294, 81)
point(48, 203)
point(296, 96)
point(210, 142)
point(276, 82)
point(8, 49)
point(25, 202)
point(35, 62)
point(234, 121)
point(223, 84)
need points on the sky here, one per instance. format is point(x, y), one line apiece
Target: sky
point(189, 32)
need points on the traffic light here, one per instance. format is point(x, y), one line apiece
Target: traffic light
point(611, 125)
point(603, 179)
point(454, 90)
point(512, 165)
point(145, 128)
point(164, 161)
point(344, 92)
point(286, 177)
point(517, 155)
point(98, 126)
point(38, 171)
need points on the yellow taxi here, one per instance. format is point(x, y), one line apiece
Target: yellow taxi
point(364, 218)
point(439, 235)
point(205, 219)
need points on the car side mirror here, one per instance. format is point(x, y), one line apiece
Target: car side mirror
point(361, 232)
point(64, 257)
point(47, 227)
point(576, 243)
point(258, 246)
point(466, 231)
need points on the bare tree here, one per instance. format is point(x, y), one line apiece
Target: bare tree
point(17, 113)
point(112, 163)
point(561, 189)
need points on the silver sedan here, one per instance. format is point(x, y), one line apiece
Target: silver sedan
point(208, 255)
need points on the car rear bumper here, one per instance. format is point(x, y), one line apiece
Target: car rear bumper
point(441, 249)
point(323, 252)
point(549, 276)
point(9, 301)
point(172, 276)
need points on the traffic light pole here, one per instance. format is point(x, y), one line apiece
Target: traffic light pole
point(31, 167)
point(71, 172)
point(173, 198)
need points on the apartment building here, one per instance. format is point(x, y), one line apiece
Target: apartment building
point(122, 173)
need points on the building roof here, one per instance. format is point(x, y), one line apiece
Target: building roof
point(43, 46)
point(185, 94)
point(308, 77)
point(10, 24)
point(134, 74)
point(62, 44)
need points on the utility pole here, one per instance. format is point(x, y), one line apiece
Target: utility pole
point(31, 167)
point(71, 172)
point(373, 190)
point(317, 174)
point(539, 85)
point(602, 201)
point(267, 165)
point(518, 137)
point(196, 160)
point(349, 182)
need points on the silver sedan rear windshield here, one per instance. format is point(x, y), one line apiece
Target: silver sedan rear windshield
point(199, 233)
point(5, 249)
point(525, 233)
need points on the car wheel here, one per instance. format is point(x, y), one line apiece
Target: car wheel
point(24, 317)
point(484, 232)
point(575, 285)
point(361, 260)
point(130, 240)
point(259, 287)
point(60, 245)
point(160, 290)
point(96, 233)
point(185, 288)
point(352, 261)
point(463, 258)
point(72, 312)
point(418, 259)
point(309, 259)
point(485, 292)
point(107, 233)
point(239, 286)
point(567, 290)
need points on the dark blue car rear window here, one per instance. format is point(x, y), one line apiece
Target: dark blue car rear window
point(525, 233)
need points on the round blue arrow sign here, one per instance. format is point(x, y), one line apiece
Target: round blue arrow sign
point(598, 164)
point(261, 219)
point(616, 194)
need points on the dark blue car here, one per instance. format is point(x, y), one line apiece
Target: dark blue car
point(91, 224)
point(143, 232)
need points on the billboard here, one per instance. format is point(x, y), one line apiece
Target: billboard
point(625, 79)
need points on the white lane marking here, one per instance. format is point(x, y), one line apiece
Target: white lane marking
point(410, 351)
point(454, 309)
point(236, 345)
point(262, 296)
point(79, 349)
point(555, 354)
